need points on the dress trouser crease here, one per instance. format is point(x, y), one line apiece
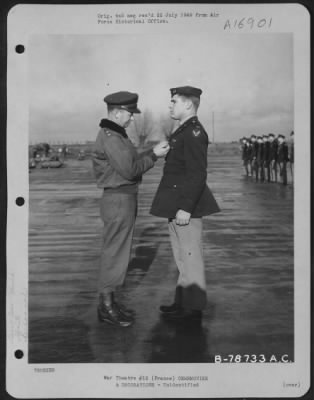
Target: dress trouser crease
point(187, 250)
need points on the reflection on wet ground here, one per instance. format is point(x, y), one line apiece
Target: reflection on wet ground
point(248, 251)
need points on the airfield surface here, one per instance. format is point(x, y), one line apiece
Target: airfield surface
point(248, 251)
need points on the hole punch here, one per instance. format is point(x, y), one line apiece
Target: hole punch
point(19, 49)
point(20, 201)
point(19, 354)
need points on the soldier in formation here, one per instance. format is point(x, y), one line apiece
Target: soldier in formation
point(245, 148)
point(291, 155)
point(253, 155)
point(259, 171)
point(273, 157)
point(283, 158)
point(266, 161)
point(263, 156)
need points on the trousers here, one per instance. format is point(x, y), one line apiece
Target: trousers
point(283, 172)
point(118, 213)
point(186, 243)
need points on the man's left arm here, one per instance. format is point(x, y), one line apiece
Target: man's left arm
point(195, 155)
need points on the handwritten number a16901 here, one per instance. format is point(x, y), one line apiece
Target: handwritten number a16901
point(248, 23)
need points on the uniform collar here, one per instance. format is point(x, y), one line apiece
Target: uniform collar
point(193, 120)
point(188, 119)
point(106, 123)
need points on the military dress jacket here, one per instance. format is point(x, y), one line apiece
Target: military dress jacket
point(283, 153)
point(250, 151)
point(266, 156)
point(116, 162)
point(183, 184)
point(245, 152)
point(273, 151)
point(254, 149)
point(291, 154)
point(260, 152)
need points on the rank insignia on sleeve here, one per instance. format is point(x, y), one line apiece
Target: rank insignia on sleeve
point(196, 132)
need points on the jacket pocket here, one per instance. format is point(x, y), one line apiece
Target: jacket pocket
point(110, 206)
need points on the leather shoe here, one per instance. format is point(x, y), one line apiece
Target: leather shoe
point(108, 313)
point(124, 312)
point(113, 317)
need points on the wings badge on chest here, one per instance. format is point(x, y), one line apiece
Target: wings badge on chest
point(196, 132)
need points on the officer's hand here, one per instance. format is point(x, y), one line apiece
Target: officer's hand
point(161, 149)
point(182, 217)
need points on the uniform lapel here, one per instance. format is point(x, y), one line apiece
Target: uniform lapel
point(181, 127)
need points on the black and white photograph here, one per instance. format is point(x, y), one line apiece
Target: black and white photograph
point(158, 186)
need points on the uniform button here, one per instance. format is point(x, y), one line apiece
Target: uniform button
point(174, 186)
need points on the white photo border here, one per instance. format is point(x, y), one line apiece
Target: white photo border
point(245, 380)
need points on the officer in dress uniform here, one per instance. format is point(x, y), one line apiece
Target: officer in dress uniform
point(184, 198)
point(249, 156)
point(283, 158)
point(291, 155)
point(266, 161)
point(118, 170)
point(253, 155)
point(245, 154)
point(260, 159)
point(273, 156)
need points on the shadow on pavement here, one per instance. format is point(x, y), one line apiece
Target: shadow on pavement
point(179, 343)
point(145, 254)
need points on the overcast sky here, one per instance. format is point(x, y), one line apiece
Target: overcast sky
point(247, 80)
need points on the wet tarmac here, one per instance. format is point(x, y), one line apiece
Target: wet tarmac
point(248, 251)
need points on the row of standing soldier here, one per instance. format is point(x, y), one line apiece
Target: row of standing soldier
point(266, 156)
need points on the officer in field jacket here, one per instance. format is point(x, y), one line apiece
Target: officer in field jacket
point(183, 197)
point(118, 169)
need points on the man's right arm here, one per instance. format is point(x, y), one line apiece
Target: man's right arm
point(121, 157)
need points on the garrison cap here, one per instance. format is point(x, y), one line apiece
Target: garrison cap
point(186, 91)
point(125, 100)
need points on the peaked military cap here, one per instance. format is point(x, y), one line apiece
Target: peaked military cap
point(281, 136)
point(186, 91)
point(253, 136)
point(271, 134)
point(125, 100)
